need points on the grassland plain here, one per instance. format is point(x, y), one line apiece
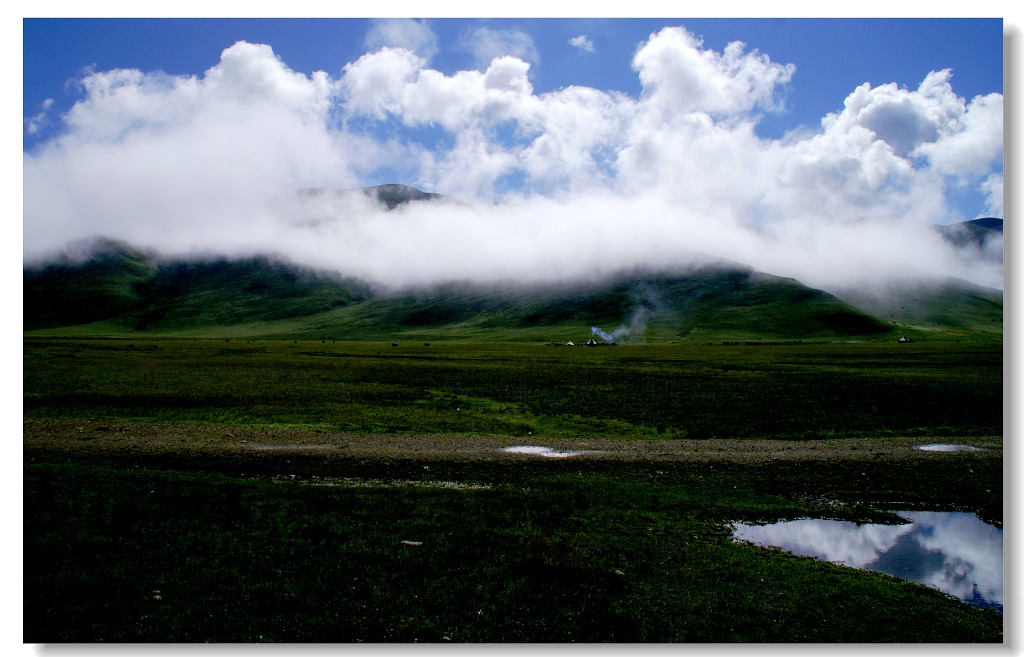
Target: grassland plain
point(319, 491)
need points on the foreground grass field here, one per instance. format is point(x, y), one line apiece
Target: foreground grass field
point(149, 515)
point(800, 391)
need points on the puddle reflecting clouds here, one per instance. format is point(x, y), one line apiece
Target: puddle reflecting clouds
point(948, 448)
point(954, 552)
point(541, 451)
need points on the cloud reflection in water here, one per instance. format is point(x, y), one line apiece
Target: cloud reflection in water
point(954, 552)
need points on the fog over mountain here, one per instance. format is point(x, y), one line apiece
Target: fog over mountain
point(603, 181)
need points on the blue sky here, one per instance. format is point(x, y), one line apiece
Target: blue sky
point(204, 126)
point(832, 56)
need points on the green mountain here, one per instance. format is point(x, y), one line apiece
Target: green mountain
point(946, 304)
point(224, 292)
point(134, 291)
point(631, 306)
point(107, 287)
point(90, 281)
point(977, 233)
point(391, 195)
point(119, 289)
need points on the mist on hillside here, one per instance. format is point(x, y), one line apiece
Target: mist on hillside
point(569, 184)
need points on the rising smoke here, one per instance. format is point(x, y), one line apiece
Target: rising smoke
point(631, 331)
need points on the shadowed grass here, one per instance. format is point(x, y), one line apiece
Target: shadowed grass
point(798, 391)
point(549, 555)
point(133, 547)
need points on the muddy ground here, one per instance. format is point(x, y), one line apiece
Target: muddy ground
point(245, 443)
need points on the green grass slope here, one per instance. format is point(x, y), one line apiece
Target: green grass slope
point(748, 304)
point(223, 292)
point(120, 290)
point(631, 307)
point(949, 305)
point(104, 279)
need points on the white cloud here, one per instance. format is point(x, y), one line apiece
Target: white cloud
point(474, 163)
point(609, 180)
point(406, 33)
point(847, 175)
point(903, 119)
point(253, 74)
point(582, 42)
point(993, 189)
point(574, 134)
point(36, 122)
point(374, 83)
point(973, 143)
point(486, 44)
point(956, 138)
point(155, 157)
point(680, 77)
point(394, 82)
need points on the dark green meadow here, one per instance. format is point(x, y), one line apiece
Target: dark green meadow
point(134, 547)
point(794, 391)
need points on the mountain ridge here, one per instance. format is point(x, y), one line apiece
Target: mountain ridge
point(389, 195)
point(106, 285)
point(976, 233)
point(125, 290)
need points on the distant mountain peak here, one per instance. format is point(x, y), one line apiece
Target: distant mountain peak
point(390, 195)
point(987, 223)
point(975, 233)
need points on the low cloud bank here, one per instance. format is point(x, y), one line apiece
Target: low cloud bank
point(572, 183)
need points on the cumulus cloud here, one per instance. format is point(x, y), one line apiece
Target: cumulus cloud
point(955, 137)
point(680, 77)
point(154, 157)
point(582, 42)
point(374, 84)
point(562, 183)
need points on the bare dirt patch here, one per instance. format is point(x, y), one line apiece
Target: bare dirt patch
point(187, 440)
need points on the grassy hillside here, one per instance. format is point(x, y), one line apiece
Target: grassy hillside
point(79, 289)
point(119, 290)
point(224, 292)
point(923, 307)
point(633, 307)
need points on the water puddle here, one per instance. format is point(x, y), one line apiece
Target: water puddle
point(954, 552)
point(541, 451)
point(948, 448)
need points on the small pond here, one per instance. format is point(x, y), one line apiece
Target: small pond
point(956, 553)
point(541, 451)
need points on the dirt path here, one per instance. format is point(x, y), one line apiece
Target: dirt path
point(106, 438)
